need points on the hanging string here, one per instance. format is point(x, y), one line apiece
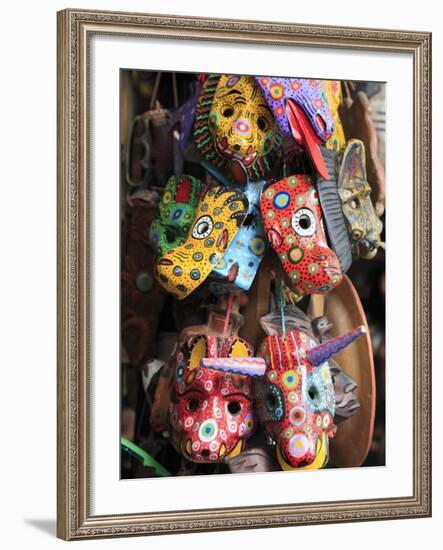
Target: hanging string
point(174, 90)
point(155, 91)
point(282, 304)
point(347, 91)
point(294, 339)
point(228, 314)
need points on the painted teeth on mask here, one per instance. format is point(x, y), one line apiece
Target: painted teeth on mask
point(232, 154)
point(369, 245)
point(331, 270)
point(224, 151)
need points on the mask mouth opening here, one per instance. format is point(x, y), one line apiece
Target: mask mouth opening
point(285, 462)
point(321, 124)
point(301, 462)
point(370, 245)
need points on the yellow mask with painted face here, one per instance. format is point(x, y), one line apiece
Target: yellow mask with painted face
point(220, 214)
point(240, 120)
point(235, 123)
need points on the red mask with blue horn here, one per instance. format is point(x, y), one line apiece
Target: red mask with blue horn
point(295, 399)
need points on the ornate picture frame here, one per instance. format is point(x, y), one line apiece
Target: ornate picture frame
point(75, 31)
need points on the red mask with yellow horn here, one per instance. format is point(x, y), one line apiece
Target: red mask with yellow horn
point(211, 412)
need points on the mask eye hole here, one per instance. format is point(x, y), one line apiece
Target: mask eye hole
point(234, 407)
point(202, 228)
point(193, 405)
point(262, 124)
point(273, 402)
point(170, 236)
point(227, 112)
point(316, 396)
point(313, 393)
point(304, 222)
point(355, 204)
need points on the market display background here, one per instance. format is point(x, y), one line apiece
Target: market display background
point(29, 271)
point(368, 276)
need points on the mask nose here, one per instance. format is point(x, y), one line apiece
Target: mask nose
point(374, 232)
point(299, 450)
point(205, 450)
point(242, 127)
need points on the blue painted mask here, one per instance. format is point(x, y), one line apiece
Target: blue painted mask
point(242, 259)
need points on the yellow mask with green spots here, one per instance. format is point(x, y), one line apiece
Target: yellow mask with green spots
point(220, 214)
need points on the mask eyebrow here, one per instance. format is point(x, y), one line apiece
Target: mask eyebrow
point(192, 393)
point(267, 108)
point(237, 394)
point(231, 92)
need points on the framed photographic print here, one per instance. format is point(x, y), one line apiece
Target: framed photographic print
point(243, 274)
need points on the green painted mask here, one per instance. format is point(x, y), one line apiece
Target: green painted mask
point(177, 211)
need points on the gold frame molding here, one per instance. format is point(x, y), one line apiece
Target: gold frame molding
point(75, 28)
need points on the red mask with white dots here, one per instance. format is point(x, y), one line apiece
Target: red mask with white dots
point(294, 227)
point(211, 412)
point(295, 399)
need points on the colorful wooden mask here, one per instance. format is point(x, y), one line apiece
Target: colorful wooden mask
point(334, 96)
point(309, 94)
point(211, 411)
point(235, 124)
point(294, 227)
point(176, 213)
point(364, 226)
point(295, 400)
point(183, 118)
point(356, 118)
point(243, 257)
point(301, 109)
point(219, 215)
